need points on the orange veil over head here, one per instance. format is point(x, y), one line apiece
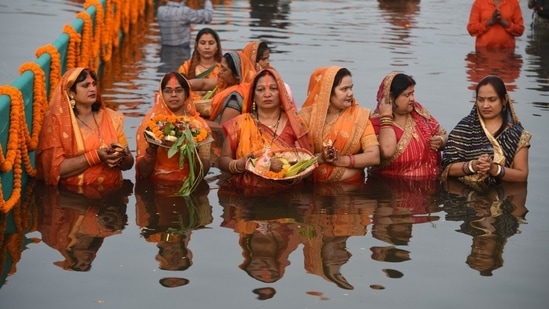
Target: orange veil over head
point(62, 138)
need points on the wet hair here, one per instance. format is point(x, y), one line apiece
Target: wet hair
point(339, 77)
point(498, 85)
point(180, 78)
point(261, 48)
point(203, 31)
point(82, 77)
point(400, 83)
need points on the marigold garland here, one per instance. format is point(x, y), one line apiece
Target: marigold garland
point(7, 161)
point(98, 29)
point(40, 101)
point(108, 33)
point(199, 133)
point(55, 64)
point(73, 47)
point(83, 50)
point(86, 44)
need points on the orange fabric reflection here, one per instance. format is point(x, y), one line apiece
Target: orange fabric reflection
point(501, 62)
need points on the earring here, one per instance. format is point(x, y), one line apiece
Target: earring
point(72, 102)
point(254, 107)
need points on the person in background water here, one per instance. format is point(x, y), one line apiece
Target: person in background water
point(341, 131)
point(233, 82)
point(174, 20)
point(489, 145)
point(260, 55)
point(410, 138)
point(540, 16)
point(82, 142)
point(495, 23)
point(205, 61)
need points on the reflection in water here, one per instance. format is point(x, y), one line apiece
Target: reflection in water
point(123, 77)
point(501, 62)
point(270, 13)
point(14, 225)
point(538, 46)
point(403, 203)
point(268, 233)
point(336, 212)
point(168, 220)
point(76, 220)
point(490, 217)
point(322, 217)
point(400, 16)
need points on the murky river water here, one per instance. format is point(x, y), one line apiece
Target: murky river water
point(382, 245)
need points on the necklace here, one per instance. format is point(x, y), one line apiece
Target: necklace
point(274, 128)
point(96, 131)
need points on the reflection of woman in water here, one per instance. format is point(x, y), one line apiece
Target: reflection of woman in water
point(77, 223)
point(168, 220)
point(266, 251)
point(493, 216)
point(336, 212)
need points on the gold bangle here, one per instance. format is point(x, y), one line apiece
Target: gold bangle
point(233, 167)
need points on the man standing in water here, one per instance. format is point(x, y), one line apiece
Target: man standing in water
point(174, 20)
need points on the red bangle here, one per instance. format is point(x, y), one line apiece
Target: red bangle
point(92, 157)
point(352, 161)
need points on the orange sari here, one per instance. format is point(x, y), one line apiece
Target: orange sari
point(167, 169)
point(185, 69)
point(245, 72)
point(351, 132)
point(61, 138)
point(246, 136)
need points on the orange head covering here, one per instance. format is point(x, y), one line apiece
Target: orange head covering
point(161, 108)
point(286, 105)
point(251, 51)
point(60, 125)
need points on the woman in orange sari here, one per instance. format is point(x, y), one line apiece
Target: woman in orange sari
point(410, 138)
point(259, 53)
point(233, 82)
point(205, 60)
point(152, 161)
point(269, 122)
point(82, 142)
point(342, 134)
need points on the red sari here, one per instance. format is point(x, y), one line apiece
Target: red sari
point(414, 157)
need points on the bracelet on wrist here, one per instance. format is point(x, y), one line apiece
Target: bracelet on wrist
point(92, 157)
point(470, 167)
point(351, 161)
